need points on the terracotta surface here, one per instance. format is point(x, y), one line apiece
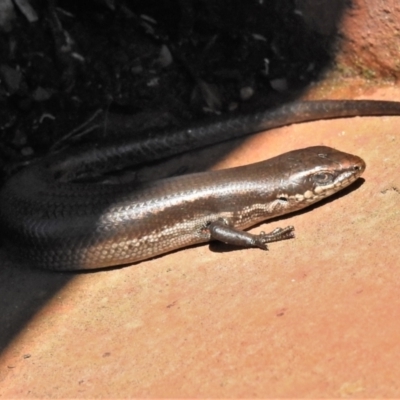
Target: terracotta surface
point(370, 41)
point(314, 316)
point(369, 33)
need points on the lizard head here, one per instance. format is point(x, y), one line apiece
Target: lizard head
point(314, 173)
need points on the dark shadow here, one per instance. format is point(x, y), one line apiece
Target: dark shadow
point(23, 292)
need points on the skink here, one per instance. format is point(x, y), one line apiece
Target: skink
point(68, 225)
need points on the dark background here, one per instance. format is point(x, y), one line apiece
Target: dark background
point(157, 63)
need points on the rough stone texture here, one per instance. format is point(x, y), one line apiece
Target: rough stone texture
point(369, 34)
point(372, 31)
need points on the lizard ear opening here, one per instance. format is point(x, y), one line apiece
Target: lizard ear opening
point(282, 198)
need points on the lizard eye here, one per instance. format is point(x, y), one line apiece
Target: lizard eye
point(323, 177)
